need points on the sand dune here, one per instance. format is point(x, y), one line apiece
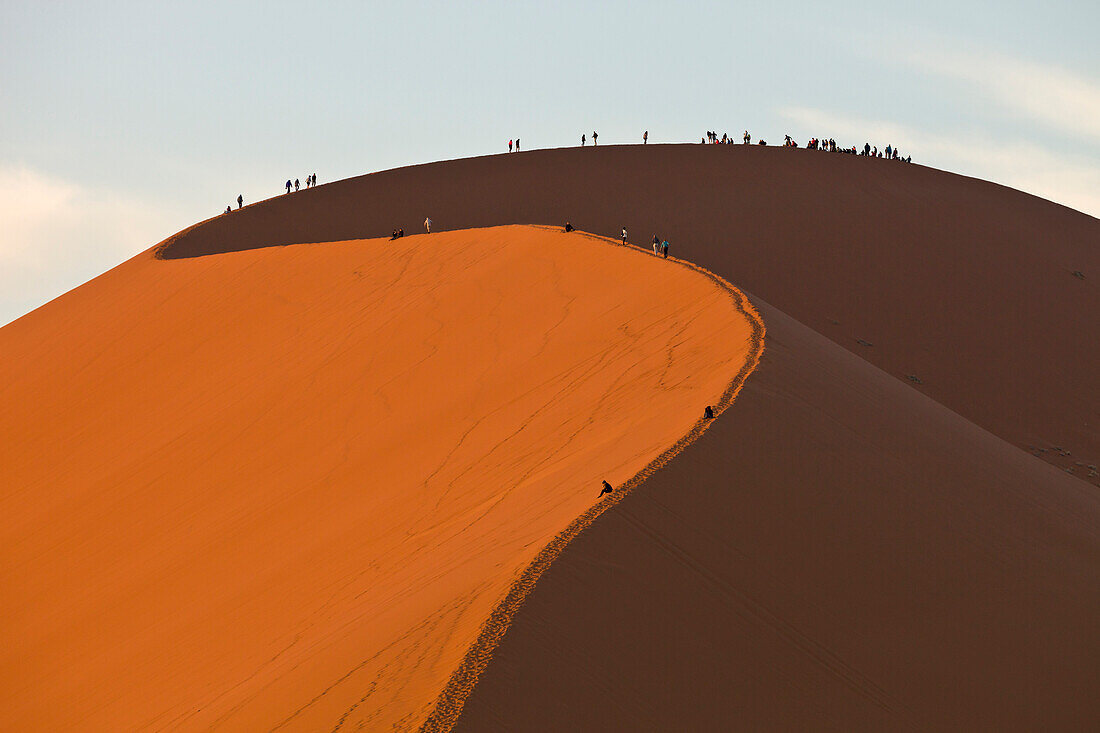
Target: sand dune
point(895, 526)
point(283, 488)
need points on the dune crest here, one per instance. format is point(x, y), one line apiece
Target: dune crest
point(284, 488)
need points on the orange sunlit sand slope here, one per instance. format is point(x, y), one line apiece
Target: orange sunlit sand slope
point(284, 487)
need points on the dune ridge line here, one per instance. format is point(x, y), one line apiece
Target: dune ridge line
point(448, 706)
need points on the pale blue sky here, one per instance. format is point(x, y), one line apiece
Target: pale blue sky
point(121, 123)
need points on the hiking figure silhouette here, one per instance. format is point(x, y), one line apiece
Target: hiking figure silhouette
point(606, 489)
point(708, 413)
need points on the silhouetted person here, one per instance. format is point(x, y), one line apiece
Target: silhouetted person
point(624, 236)
point(645, 137)
point(509, 146)
point(568, 227)
point(288, 185)
point(594, 136)
point(295, 184)
point(656, 244)
point(606, 489)
point(240, 201)
point(582, 140)
point(400, 233)
point(517, 144)
point(708, 413)
point(314, 179)
point(229, 209)
point(428, 225)
point(664, 249)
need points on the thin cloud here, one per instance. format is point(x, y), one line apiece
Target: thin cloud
point(1022, 165)
point(58, 234)
point(1051, 95)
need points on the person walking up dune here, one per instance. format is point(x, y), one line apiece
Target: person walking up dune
point(295, 184)
point(624, 236)
point(582, 139)
point(240, 201)
point(509, 146)
point(594, 136)
point(656, 244)
point(606, 489)
point(314, 180)
point(428, 225)
point(288, 185)
point(645, 137)
point(664, 249)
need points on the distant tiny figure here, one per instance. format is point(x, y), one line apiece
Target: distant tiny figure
point(517, 144)
point(606, 489)
point(624, 236)
point(656, 244)
point(582, 140)
point(394, 235)
point(594, 136)
point(295, 184)
point(240, 201)
point(288, 185)
point(428, 224)
point(307, 181)
point(229, 209)
point(400, 233)
point(708, 413)
point(645, 137)
point(762, 142)
point(664, 249)
point(747, 137)
point(568, 227)
point(509, 146)
point(314, 177)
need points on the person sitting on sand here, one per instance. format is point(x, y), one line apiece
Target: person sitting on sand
point(517, 144)
point(229, 209)
point(400, 233)
point(296, 184)
point(428, 225)
point(394, 235)
point(568, 227)
point(708, 413)
point(606, 489)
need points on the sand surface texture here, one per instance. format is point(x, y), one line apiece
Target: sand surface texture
point(895, 527)
point(283, 488)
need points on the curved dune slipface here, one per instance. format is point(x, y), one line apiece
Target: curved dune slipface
point(283, 488)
